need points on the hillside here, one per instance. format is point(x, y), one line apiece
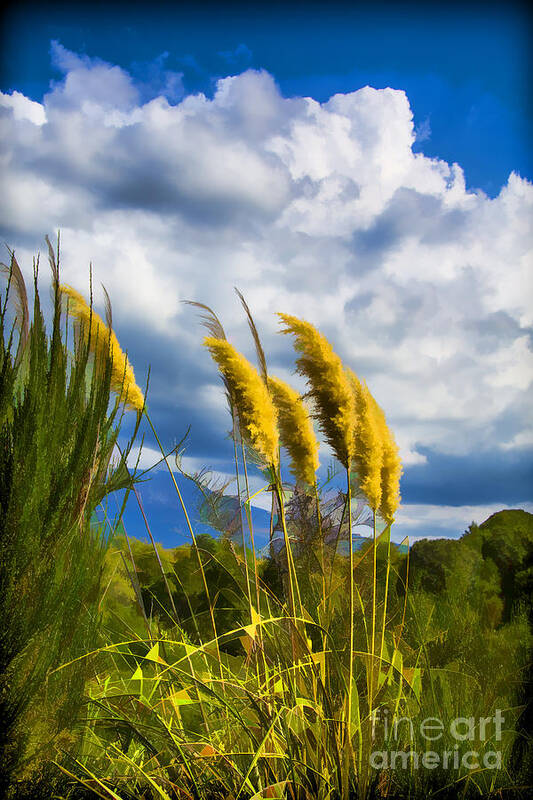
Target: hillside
point(493, 560)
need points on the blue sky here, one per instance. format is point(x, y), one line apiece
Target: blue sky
point(465, 69)
point(175, 148)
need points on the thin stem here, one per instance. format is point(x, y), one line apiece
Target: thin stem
point(256, 572)
point(293, 581)
point(385, 602)
point(348, 728)
point(350, 671)
point(246, 570)
point(141, 507)
point(271, 527)
point(323, 570)
point(287, 548)
point(193, 537)
point(373, 648)
point(406, 588)
point(245, 555)
point(250, 525)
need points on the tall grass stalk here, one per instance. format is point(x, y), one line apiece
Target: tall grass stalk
point(59, 423)
point(322, 615)
point(191, 531)
point(294, 590)
point(250, 524)
point(235, 437)
point(154, 546)
point(385, 593)
point(374, 609)
point(348, 733)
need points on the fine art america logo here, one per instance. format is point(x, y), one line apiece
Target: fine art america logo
point(482, 732)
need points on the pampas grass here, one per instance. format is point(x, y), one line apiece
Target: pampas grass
point(226, 682)
point(296, 430)
point(256, 411)
point(329, 386)
point(103, 342)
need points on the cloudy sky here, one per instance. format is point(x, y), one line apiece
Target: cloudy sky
point(368, 171)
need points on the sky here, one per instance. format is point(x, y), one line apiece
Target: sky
point(366, 168)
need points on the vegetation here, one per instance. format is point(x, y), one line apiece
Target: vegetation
point(211, 671)
point(57, 438)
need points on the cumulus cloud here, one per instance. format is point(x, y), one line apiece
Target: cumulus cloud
point(22, 108)
point(322, 210)
point(431, 521)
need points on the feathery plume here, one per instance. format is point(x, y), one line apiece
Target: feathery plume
point(391, 473)
point(255, 335)
point(391, 468)
point(368, 441)
point(14, 274)
point(102, 342)
point(257, 414)
point(296, 430)
point(211, 322)
point(209, 319)
point(329, 385)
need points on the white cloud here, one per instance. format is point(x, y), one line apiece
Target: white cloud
point(218, 473)
point(522, 439)
point(322, 210)
point(90, 84)
point(145, 458)
point(413, 519)
point(23, 108)
point(148, 458)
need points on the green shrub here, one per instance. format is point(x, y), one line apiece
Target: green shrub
point(57, 437)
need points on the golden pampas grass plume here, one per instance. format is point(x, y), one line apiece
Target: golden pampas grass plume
point(329, 386)
point(104, 343)
point(250, 396)
point(296, 430)
point(391, 468)
point(368, 441)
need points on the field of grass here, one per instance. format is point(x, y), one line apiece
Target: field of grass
point(319, 670)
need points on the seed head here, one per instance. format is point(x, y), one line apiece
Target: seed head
point(250, 396)
point(330, 389)
point(104, 343)
point(296, 430)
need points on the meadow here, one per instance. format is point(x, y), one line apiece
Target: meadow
point(329, 667)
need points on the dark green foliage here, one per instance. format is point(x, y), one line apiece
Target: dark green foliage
point(484, 577)
point(506, 538)
point(470, 613)
point(56, 442)
point(472, 660)
point(223, 567)
point(500, 554)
